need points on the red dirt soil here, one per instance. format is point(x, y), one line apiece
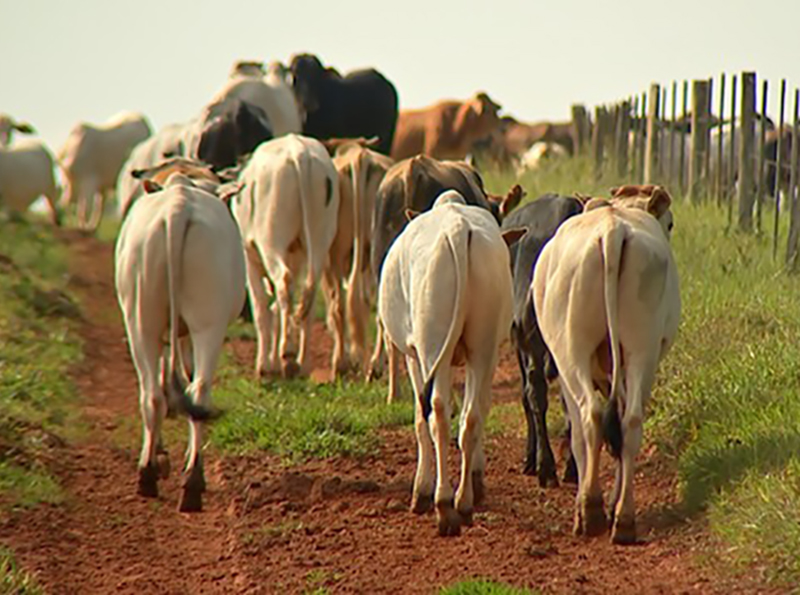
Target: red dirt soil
point(340, 524)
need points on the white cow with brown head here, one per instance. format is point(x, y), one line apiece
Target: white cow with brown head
point(605, 290)
point(180, 279)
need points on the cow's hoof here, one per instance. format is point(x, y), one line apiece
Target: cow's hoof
point(291, 369)
point(466, 515)
point(163, 464)
point(191, 500)
point(421, 503)
point(478, 488)
point(374, 373)
point(148, 481)
point(594, 517)
point(577, 525)
point(449, 520)
point(529, 468)
point(547, 477)
point(624, 531)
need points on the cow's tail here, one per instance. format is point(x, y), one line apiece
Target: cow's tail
point(458, 244)
point(612, 245)
point(303, 169)
point(177, 224)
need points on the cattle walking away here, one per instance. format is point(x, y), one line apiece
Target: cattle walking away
point(542, 218)
point(363, 103)
point(360, 172)
point(446, 130)
point(179, 272)
point(445, 293)
point(605, 289)
point(27, 171)
point(287, 213)
point(414, 184)
point(92, 158)
point(267, 90)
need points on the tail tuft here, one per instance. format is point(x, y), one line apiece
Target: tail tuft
point(612, 428)
point(182, 402)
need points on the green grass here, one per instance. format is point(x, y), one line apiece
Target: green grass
point(14, 580)
point(37, 348)
point(481, 587)
point(299, 419)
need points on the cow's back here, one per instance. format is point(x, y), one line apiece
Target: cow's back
point(26, 172)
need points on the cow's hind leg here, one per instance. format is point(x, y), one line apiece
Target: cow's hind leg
point(529, 466)
point(153, 408)
point(477, 400)
point(262, 316)
point(207, 346)
point(424, 479)
point(448, 519)
point(639, 379)
point(332, 288)
point(545, 461)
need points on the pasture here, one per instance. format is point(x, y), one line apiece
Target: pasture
point(310, 481)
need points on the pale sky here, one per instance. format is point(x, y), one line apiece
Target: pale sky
point(62, 61)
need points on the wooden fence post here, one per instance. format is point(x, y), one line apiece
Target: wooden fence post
point(623, 128)
point(794, 225)
point(651, 149)
point(719, 190)
point(707, 156)
point(670, 179)
point(778, 168)
point(682, 162)
point(732, 156)
point(597, 141)
point(746, 162)
point(642, 136)
point(699, 144)
point(762, 141)
point(580, 129)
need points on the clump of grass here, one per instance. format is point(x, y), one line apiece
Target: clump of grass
point(27, 487)
point(482, 587)
point(299, 419)
point(14, 580)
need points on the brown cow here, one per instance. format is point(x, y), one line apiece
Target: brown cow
point(360, 172)
point(446, 130)
point(509, 142)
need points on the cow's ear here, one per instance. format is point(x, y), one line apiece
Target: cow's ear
point(659, 202)
point(24, 128)
point(372, 141)
point(410, 214)
point(595, 203)
point(511, 236)
point(612, 192)
point(512, 200)
point(585, 198)
point(150, 186)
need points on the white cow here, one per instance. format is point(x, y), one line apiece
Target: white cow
point(445, 292)
point(605, 291)
point(269, 91)
point(179, 274)
point(8, 126)
point(287, 215)
point(539, 153)
point(167, 142)
point(360, 173)
point(92, 158)
point(26, 173)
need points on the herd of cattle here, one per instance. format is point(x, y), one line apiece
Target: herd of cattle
point(275, 185)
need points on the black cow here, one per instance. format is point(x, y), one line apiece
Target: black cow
point(542, 217)
point(361, 104)
point(230, 129)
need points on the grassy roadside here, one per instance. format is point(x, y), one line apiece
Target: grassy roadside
point(37, 348)
point(726, 408)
